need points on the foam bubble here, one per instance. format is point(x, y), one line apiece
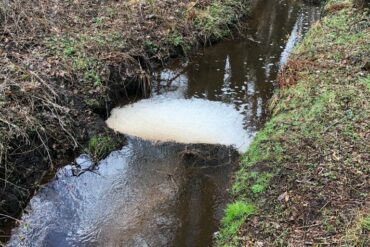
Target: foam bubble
point(182, 121)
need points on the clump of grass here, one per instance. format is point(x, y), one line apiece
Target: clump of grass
point(235, 215)
point(365, 223)
point(357, 234)
point(366, 81)
point(99, 147)
point(215, 21)
point(255, 182)
point(175, 39)
point(151, 47)
point(261, 183)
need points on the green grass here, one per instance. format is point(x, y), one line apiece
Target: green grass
point(309, 149)
point(175, 39)
point(366, 81)
point(151, 47)
point(73, 52)
point(215, 21)
point(261, 183)
point(357, 234)
point(81, 52)
point(99, 147)
point(365, 223)
point(251, 182)
point(235, 215)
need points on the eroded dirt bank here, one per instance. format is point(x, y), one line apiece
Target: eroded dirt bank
point(305, 179)
point(63, 63)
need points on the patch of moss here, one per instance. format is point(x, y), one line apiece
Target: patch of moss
point(357, 234)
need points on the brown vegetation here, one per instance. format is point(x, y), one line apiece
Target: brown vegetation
point(63, 63)
point(288, 75)
point(336, 7)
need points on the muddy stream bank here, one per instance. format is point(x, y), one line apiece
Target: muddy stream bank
point(153, 193)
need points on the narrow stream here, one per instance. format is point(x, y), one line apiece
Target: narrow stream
point(168, 185)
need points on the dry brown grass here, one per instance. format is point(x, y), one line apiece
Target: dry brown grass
point(61, 61)
point(288, 75)
point(332, 8)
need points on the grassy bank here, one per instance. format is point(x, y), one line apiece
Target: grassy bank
point(64, 63)
point(305, 179)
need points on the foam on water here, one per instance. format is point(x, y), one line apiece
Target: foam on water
point(182, 121)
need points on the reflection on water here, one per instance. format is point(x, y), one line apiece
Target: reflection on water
point(151, 194)
point(242, 72)
point(137, 197)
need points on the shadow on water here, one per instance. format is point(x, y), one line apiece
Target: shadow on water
point(166, 194)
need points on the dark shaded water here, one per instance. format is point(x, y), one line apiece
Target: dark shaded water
point(243, 71)
point(155, 194)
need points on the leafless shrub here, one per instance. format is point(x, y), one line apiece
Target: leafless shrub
point(31, 116)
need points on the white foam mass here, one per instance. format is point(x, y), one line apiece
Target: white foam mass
point(182, 121)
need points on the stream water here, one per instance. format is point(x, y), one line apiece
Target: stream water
point(173, 192)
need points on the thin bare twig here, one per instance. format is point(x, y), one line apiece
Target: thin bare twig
point(10, 217)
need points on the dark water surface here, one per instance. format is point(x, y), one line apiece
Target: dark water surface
point(242, 72)
point(167, 194)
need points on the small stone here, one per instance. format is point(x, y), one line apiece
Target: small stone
point(283, 196)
